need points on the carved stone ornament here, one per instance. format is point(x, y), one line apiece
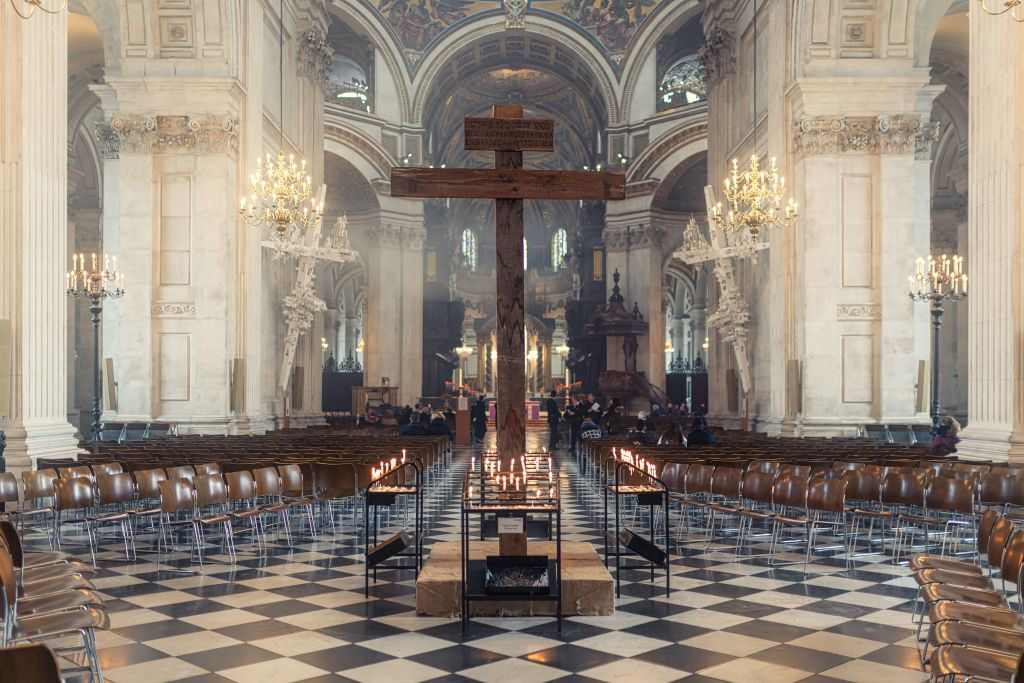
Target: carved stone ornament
point(732, 315)
point(515, 15)
point(302, 305)
point(858, 312)
point(632, 236)
point(164, 309)
point(149, 134)
point(865, 135)
point(399, 236)
point(718, 55)
point(315, 56)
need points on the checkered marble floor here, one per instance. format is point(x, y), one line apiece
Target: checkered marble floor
point(300, 614)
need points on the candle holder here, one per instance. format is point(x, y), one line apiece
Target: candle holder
point(96, 283)
point(937, 281)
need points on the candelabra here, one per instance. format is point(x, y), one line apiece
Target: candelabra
point(463, 352)
point(95, 284)
point(937, 281)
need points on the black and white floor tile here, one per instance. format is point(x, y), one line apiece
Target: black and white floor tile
point(300, 614)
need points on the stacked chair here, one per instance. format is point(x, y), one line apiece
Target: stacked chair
point(44, 597)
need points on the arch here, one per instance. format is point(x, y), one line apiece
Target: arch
point(108, 21)
point(478, 30)
point(384, 40)
point(357, 148)
point(667, 17)
point(671, 149)
point(926, 22)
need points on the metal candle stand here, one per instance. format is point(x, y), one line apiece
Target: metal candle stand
point(480, 496)
point(383, 492)
point(652, 494)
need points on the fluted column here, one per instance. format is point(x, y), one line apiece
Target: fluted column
point(33, 235)
point(996, 237)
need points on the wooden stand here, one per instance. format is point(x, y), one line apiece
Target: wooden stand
point(463, 427)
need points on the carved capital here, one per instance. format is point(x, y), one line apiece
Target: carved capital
point(149, 134)
point(626, 237)
point(399, 236)
point(718, 55)
point(885, 134)
point(314, 56)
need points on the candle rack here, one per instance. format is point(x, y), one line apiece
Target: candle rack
point(517, 489)
point(637, 479)
point(392, 482)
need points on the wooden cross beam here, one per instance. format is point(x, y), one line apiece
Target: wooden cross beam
point(508, 134)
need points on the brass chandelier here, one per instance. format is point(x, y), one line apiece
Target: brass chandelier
point(755, 196)
point(33, 5)
point(281, 189)
point(1014, 7)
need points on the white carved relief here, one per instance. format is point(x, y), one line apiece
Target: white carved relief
point(157, 134)
point(865, 135)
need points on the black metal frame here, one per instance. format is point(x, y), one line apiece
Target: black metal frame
point(653, 495)
point(473, 571)
point(385, 496)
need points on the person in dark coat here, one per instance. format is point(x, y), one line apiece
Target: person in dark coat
point(700, 433)
point(554, 417)
point(439, 427)
point(574, 413)
point(478, 415)
point(417, 427)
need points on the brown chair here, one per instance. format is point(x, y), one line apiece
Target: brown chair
point(726, 484)
point(696, 493)
point(116, 492)
point(242, 504)
point(268, 489)
point(957, 661)
point(75, 472)
point(8, 489)
point(29, 662)
point(181, 472)
point(757, 491)
point(207, 469)
point(54, 625)
point(951, 502)
point(106, 468)
point(898, 490)
point(996, 489)
point(177, 509)
point(74, 495)
point(825, 509)
point(293, 493)
point(985, 525)
point(972, 635)
point(211, 502)
point(23, 560)
point(37, 494)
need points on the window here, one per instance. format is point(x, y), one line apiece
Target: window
point(559, 248)
point(683, 84)
point(469, 249)
point(525, 255)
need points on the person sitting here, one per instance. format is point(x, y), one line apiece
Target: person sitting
point(439, 427)
point(700, 433)
point(406, 416)
point(389, 419)
point(590, 429)
point(946, 439)
point(638, 435)
point(417, 427)
point(673, 434)
point(371, 417)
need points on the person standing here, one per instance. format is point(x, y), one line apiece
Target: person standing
point(554, 416)
point(479, 418)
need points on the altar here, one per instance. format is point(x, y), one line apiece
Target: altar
point(532, 411)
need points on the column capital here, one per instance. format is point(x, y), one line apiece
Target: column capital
point(718, 54)
point(160, 134)
point(314, 59)
point(626, 237)
point(398, 235)
point(882, 134)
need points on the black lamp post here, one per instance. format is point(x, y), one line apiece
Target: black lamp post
point(96, 283)
point(937, 281)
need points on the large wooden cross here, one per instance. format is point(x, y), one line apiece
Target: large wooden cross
point(508, 134)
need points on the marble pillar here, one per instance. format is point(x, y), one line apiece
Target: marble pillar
point(995, 264)
point(393, 329)
point(33, 237)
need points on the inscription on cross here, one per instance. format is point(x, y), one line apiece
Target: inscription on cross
point(508, 134)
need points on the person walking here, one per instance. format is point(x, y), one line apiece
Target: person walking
point(554, 417)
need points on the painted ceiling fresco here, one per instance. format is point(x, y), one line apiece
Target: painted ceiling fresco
point(612, 22)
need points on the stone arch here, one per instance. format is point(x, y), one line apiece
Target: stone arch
point(367, 155)
point(108, 21)
point(384, 40)
point(927, 16)
point(578, 45)
point(667, 17)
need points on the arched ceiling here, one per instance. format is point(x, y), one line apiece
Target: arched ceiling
point(610, 23)
point(682, 191)
point(348, 192)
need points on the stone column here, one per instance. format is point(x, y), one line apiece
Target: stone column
point(393, 329)
point(862, 179)
point(351, 333)
point(995, 264)
point(33, 236)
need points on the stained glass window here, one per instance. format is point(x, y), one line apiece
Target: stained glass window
point(559, 248)
point(469, 249)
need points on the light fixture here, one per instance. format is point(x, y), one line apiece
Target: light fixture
point(281, 189)
point(494, 354)
point(323, 343)
point(937, 281)
point(1014, 7)
point(95, 284)
point(464, 351)
point(562, 350)
point(532, 354)
point(755, 195)
point(668, 347)
point(705, 345)
point(361, 346)
point(33, 5)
